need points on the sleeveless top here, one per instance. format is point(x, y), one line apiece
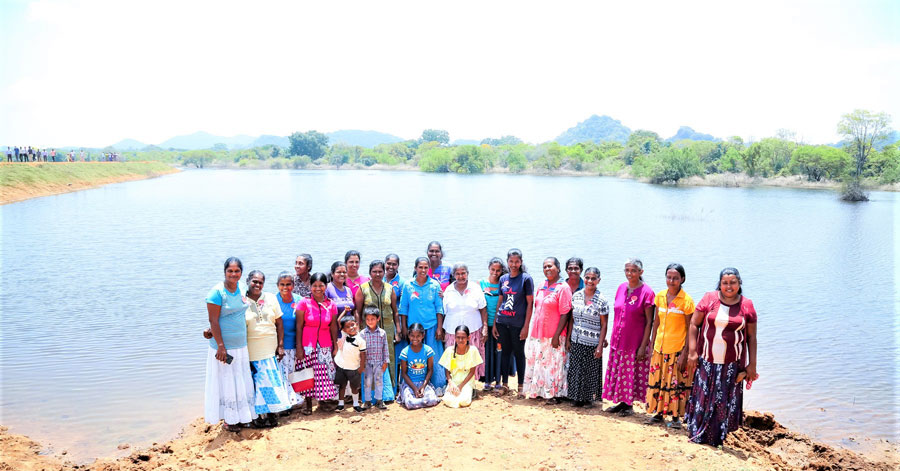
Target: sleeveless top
point(382, 302)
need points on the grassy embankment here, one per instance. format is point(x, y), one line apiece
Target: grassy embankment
point(21, 181)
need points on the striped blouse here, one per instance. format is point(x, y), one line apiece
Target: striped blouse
point(723, 331)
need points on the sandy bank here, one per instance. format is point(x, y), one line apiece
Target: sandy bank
point(494, 433)
point(22, 181)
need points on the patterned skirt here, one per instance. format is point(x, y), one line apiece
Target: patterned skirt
point(716, 406)
point(229, 388)
point(271, 395)
point(476, 340)
point(585, 379)
point(626, 378)
point(545, 369)
point(288, 365)
point(668, 387)
point(324, 388)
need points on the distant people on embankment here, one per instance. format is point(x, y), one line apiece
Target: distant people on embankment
point(33, 154)
point(270, 354)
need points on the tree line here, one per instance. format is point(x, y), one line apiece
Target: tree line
point(643, 155)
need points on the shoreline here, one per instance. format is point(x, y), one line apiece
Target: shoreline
point(534, 437)
point(723, 180)
point(38, 179)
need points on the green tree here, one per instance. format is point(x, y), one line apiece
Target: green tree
point(862, 128)
point(752, 158)
point(503, 141)
point(468, 159)
point(819, 162)
point(198, 158)
point(516, 161)
point(311, 143)
point(885, 165)
point(436, 159)
point(435, 135)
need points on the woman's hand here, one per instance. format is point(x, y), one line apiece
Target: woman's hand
point(554, 342)
point(523, 334)
point(279, 353)
point(641, 353)
point(750, 373)
point(221, 353)
point(598, 352)
point(494, 332)
point(439, 334)
point(396, 337)
point(568, 345)
point(681, 365)
point(692, 363)
point(403, 333)
point(419, 392)
point(484, 331)
point(301, 354)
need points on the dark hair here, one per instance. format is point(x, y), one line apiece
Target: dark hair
point(231, 260)
point(420, 259)
point(375, 263)
point(283, 275)
point(254, 273)
point(335, 265)
point(730, 271)
point(503, 269)
point(416, 327)
point(308, 258)
point(680, 269)
point(371, 311)
point(517, 253)
point(351, 253)
point(555, 261)
point(434, 242)
point(318, 277)
point(577, 261)
point(390, 256)
point(462, 328)
point(593, 270)
point(346, 319)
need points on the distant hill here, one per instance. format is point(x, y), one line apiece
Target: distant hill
point(129, 144)
point(686, 132)
point(465, 142)
point(595, 129)
point(205, 140)
point(266, 139)
point(893, 137)
point(355, 137)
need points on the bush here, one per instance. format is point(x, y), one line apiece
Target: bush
point(667, 165)
point(301, 161)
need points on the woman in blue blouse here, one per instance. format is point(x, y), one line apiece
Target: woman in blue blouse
point(229, 385)
point(421, 304)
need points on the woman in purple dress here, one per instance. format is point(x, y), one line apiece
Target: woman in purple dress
point(629, 347)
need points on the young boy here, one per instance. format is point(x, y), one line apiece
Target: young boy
point(377, 360)
point(349, 361)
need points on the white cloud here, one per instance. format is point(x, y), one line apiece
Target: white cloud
point(94, 72)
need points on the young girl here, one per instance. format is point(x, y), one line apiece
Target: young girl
point(460, 363)
point(669, 385)
point(416, 368)
point(513, 317)
point(491, 288)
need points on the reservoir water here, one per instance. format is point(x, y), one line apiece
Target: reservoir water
point(103, 290)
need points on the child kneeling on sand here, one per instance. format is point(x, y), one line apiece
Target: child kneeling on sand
point(349, 361)
point(416, 368)
point(460, 363)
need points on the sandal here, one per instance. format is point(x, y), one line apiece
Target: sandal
point(236, 428)
point(501, 390)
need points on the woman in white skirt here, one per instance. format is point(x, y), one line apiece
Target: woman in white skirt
point(229, 385)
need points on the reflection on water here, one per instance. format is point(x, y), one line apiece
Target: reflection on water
point(102, 290)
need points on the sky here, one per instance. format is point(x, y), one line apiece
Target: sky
point(93, 72)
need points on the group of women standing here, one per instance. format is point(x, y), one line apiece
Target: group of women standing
point(446, 331)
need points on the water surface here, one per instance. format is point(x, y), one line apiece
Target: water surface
point(103, 290)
